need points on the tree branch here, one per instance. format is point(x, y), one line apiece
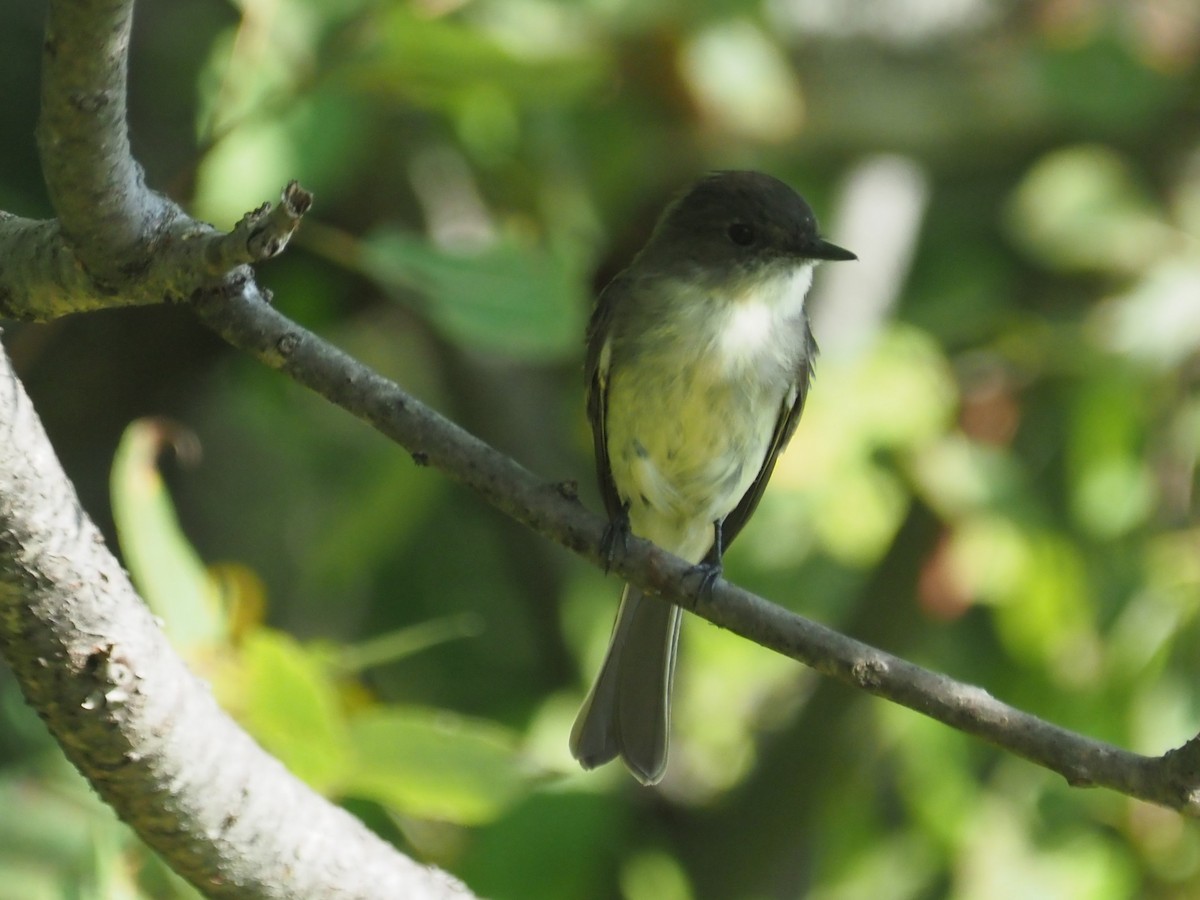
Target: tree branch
point(140, 727)
point(245, 320)
point(115, 242)
point(95, 185)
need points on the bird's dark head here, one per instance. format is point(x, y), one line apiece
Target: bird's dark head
point(738, 222)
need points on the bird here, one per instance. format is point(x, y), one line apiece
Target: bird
point(698, 362)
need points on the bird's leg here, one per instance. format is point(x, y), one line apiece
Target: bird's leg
point(616, 535)
point(709, 569)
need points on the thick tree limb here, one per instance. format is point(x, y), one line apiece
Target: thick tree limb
point(95, 185)
point(145, 732)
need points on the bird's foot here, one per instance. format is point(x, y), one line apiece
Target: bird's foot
point(706, 574)
point(614, 541)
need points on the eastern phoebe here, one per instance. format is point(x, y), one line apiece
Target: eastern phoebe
point(699, 357)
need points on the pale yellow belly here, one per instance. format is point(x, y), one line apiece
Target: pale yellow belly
point(684, 447)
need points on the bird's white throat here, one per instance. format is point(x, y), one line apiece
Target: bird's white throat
point(754, 321)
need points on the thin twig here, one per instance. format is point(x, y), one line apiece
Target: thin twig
point(252, 325)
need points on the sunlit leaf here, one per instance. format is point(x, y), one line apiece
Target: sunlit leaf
point(990, 554)
point(287, 699)
point(727, 692)
point(507, 298)
point(1157, 322)
point(742, 79)
point(53, 833)
point(893, 398)
point(164, 566)
point(1082, 209)
point(1002, 854)
point(655, 875)
point(434, 765)
point(1046, 619)
point(1112, 490)
point(244, 165)
point(956, 475)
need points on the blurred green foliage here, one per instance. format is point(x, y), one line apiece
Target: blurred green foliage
point(996, 476)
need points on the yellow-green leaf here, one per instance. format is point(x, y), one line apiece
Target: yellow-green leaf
point(164, 566)
point(288, 700)
point(523, 301)
point(435, 765)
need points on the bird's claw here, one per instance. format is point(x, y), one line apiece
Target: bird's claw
point(615, 539)
point(706, 574)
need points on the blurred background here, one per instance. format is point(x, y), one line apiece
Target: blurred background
point(996, 475)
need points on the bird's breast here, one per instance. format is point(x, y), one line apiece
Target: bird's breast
point(692, 409)
point(759, 328)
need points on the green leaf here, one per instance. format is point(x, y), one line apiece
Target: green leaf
point(1083, 209)
point(163, 564)
point(434, 765)
point(507, 298)
point(435, 60)
point(1112, 488)
point(1104, 84)
point(287, 699)
point(509, 857)
point(1047, 619)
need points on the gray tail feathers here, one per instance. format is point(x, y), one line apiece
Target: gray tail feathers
point(628, 711)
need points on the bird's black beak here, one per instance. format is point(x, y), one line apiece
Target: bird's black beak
point(822, 249)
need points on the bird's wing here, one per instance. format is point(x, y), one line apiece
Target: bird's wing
point(785, 427)
point(596, 363)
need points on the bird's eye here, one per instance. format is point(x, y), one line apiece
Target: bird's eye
point(741, 234)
